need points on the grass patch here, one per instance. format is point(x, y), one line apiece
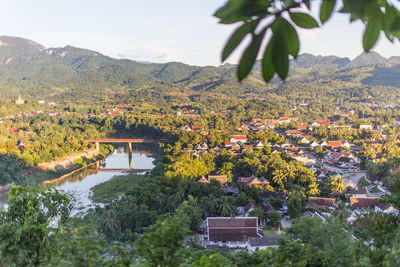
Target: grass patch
point(268, 232)
point(117, 186)
point(375, 190)
point(364, 181)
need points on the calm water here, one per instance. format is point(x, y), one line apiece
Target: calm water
point(78, 186)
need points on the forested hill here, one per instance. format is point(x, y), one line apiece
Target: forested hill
point(73, 73)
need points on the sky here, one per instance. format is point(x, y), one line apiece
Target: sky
point(159, 30)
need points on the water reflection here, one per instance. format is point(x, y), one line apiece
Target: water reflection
point(78, 186)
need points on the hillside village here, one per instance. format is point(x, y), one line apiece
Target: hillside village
point(328, 159)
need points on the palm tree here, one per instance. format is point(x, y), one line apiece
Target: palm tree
point(279, 176)
point(225, 208)
point(313, 189)
point(338, 184)
point(111, 224)
point(290, 171)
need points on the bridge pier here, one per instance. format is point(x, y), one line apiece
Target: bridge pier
point(97, 164)
point(98, 146)
point(130, 160)
point(130, 147)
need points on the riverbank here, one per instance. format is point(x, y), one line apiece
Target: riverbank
point(57, 180)
point(69, 161)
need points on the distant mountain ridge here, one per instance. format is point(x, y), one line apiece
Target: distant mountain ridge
point(70, 72)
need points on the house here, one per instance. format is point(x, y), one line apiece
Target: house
point(232, 229)
point(276, 194)
point(302, 128)
point(220, 178)
point(230, 190)
point(323, 143)
point(357, 192)
point(238, 138)
point(323, 122)
point(283, 120)
point(320, 203)
point(259, 145)
point(366, 202)
point(236, 147)
point(21, 145)
point(266, 207)
point(345, 144)
point(292, 132)
point(305, 139)
point(338, 157)
point(203, 147)
point(314, 144)
point(187, 128)
point(196, 128)
point(334, 144)
point(247, 147)
point(228, 144)
point(365, 126)
point(13, 130)
point(252, 180)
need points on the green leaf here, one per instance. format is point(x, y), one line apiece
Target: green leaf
point(230, 12)
point(326, 10)
point(371, 35)
point(242, 10)
point(373, 28)
point(249, 56)
point(303, 20)
point(288, 34)
point(391, 22)
point(280, 55)
point(307, 3)
point(267, 66)
point(236, 38)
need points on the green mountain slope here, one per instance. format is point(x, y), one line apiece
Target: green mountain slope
point(74, 73)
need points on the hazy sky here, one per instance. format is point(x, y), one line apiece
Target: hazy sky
point(157, 30)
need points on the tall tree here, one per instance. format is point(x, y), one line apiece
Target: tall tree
point(30, 227)
point(338, 184)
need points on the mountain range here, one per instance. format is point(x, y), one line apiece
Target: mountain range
point(35, 71)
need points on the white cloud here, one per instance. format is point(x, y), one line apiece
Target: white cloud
point(143, 53)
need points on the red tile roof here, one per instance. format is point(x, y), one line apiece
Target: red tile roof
point(239, 137)
point(366, 202)
point(334, 143)
point(322, 201)
point(232, 229)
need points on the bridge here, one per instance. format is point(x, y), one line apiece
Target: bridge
point(130, 141)
point(125, 140)
point(120, 170)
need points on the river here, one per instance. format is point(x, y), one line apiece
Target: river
point(78, 186)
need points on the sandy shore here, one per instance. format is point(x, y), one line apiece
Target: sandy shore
point(67, 162)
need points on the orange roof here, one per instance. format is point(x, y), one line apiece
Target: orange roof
point(334, 143)
point(292, 132)
point(364, 202)
point(322, 201)
point(239, 137)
